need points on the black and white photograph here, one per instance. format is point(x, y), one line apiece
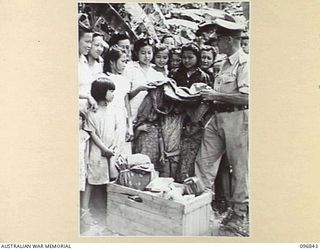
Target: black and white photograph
point(163, 119)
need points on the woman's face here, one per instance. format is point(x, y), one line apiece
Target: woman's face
point(245, 45)
point(175, 61)
point(85, 43)
point(118, 66)
point(169, 41)
point(206, 59)
point(145, 55)
point(189, 59)
point(96, 47)
point(161, 58)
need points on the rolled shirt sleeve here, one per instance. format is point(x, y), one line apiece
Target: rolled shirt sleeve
point(243, 78)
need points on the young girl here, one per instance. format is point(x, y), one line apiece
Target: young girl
point(161, 58)
point(208, 55)
point(189, 71)
point(102, 126)
point(115, 63)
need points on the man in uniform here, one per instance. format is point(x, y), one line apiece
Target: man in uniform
point(227, 130)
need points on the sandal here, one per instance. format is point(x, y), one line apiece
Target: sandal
point(87, 218)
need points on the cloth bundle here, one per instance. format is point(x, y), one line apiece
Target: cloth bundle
point(137, 173)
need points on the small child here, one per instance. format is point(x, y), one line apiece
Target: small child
point(161, 58)
point(102, 127)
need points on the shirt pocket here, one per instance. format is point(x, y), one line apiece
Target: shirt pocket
point(228, 84)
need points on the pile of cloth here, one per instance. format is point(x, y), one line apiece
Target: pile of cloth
point(137, 172)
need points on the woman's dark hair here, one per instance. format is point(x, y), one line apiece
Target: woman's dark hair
point(118, 37)
point(100, 87)
point(167, 36)
point(95, 34)
point(194, 48)
point(141, 43)
point(113, 54)
point(82, 30)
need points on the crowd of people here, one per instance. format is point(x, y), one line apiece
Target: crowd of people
point(123, 111)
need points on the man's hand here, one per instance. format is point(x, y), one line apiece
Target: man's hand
point(209, 94)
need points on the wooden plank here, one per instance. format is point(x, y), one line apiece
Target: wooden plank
point(197, 202)
point(123, 227)
point(150, 202)
point(204, 220)
point(187, 225)
point(153, 224)
point(115, 188)
point(146, 205)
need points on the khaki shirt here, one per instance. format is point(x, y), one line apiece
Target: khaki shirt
point(234, 74)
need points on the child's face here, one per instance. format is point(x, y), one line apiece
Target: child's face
point(145, 55)
point(245, 45)
point(109, 95)
point(161, 58)
point(189, 59)
point(85, 43)
point(118, 66)
point(96, 47)
point(175, 61)
point(206, 59)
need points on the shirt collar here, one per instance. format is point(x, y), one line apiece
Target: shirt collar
point(83, 59)
point(234, 57)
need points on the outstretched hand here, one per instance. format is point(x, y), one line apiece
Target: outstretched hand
point(209, 94)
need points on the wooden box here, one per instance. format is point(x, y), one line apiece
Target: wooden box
point(150, 215)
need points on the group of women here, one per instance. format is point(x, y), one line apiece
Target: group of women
point(122, 112)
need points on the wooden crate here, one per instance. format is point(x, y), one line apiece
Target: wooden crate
point(154, 215)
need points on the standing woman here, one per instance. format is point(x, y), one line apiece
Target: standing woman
point(189, 73)
point(84, 73)
point(95, 61)
point(115, 63)
point(140, 72)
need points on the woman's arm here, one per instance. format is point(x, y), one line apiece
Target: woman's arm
point(91, 100)
point(129, 134)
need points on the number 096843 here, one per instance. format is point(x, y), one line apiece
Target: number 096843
point(308, 245)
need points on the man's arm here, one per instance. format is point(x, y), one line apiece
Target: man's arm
point(236, 99)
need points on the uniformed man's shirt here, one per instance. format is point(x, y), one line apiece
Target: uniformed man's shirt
point(234, 74)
